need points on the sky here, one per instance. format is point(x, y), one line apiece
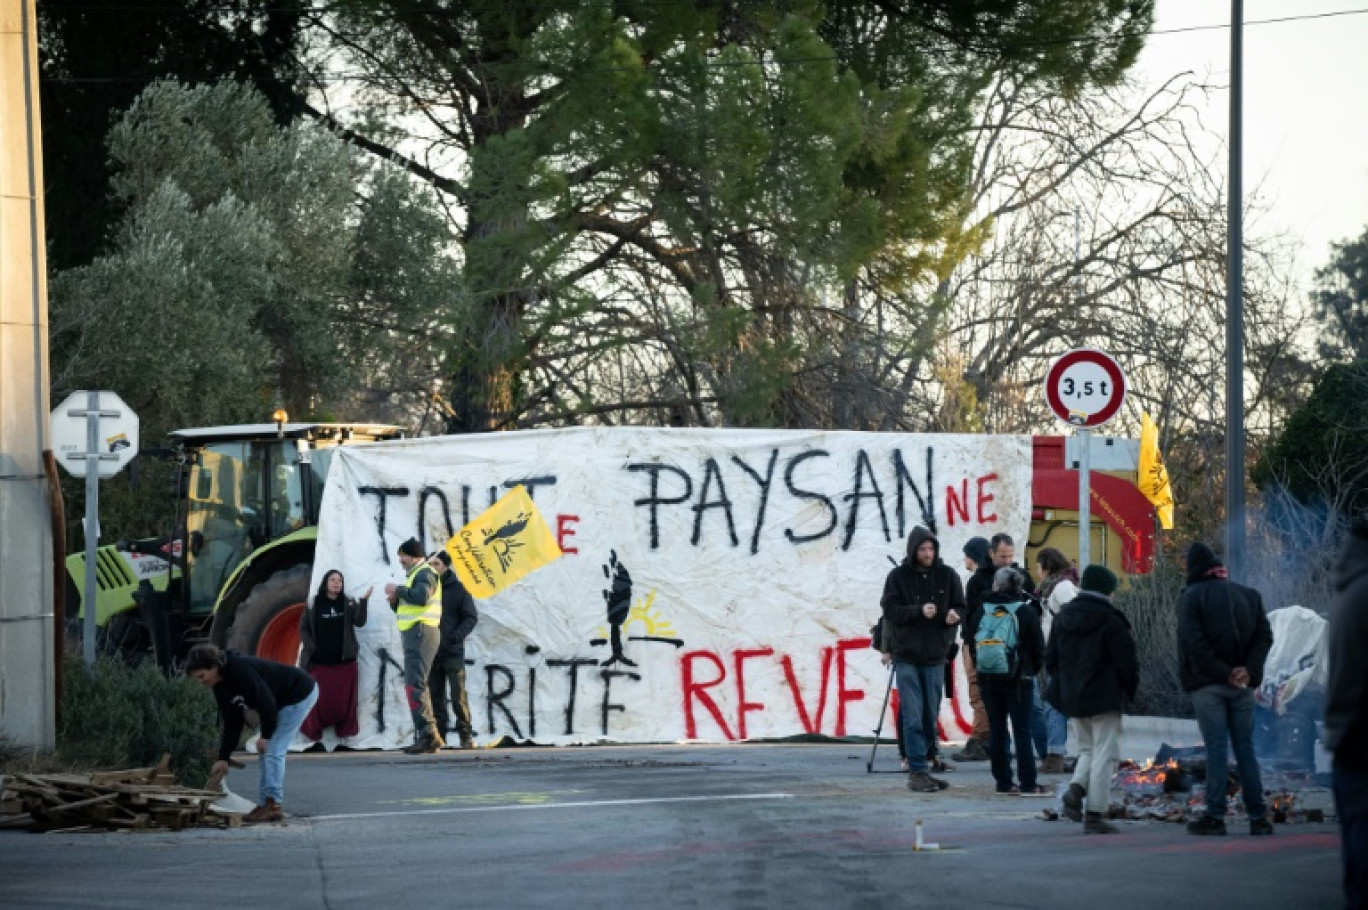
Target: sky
point(1305, 110)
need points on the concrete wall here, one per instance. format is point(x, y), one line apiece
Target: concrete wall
point(26, 598)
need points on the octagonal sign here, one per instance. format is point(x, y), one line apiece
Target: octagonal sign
point(116, 436)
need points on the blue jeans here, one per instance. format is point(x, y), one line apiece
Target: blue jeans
point(289, 718)
point(919, 697)
point(1225, 715)
point(1039, 734)
point(1351, 805)
point(1008, 700)
point(1056, 724)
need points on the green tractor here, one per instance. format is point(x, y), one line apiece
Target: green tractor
point(236, 569)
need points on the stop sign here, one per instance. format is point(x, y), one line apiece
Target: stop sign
point(1085, 387)
point(116, 434)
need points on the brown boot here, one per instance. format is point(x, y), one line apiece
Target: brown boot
point(1094, 823)
point(268, 811)
point(426, 746)
point(974, 750)
point(1073, 802)
point(1052, 764)
point(467, 741)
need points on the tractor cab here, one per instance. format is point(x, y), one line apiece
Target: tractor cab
point(245, 486)
point(241, 552)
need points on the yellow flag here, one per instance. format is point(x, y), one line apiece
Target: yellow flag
point(1154, 479)
point(505, 543)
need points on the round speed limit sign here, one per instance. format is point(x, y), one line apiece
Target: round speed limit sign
point(1085, 387)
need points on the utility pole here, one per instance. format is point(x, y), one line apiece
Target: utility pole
point(1235, 463)
point(27, 658)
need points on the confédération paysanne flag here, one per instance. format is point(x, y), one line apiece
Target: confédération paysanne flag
point(1154, 479)
point(506, 542)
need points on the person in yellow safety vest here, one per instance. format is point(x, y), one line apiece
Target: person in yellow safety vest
point(418, 608)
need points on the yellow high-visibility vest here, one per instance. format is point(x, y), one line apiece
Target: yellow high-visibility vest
point(430, 613)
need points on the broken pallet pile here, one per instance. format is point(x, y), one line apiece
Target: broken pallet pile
point(136, 799)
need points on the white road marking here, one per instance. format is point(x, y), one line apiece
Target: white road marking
point(591, 804)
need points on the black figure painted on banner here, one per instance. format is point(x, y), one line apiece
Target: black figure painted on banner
point(619, 599)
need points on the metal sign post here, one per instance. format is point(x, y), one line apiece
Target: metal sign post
point(1085, 388)
point(101, 451)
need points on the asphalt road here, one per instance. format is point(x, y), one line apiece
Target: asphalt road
point(789, 826)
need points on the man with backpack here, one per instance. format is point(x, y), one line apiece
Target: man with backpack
point(1008, 651)
point(1093, 670)
point(1223, 640)
point(922, 601)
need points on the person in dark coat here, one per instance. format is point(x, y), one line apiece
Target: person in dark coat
point(978, 560)
point(1223, 640)
point(280, 694)
point(1093, 670)
point(328, 649)
point(1009, 698)
point(1346, 711)
point(922, 601)
point(459, 617)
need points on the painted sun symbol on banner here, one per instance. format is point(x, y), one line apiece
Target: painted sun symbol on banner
point(647, 621)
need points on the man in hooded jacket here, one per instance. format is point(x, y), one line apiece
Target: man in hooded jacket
point(1093, 670)
point(1223, 640)
point(922, 601)
point(1346, 711)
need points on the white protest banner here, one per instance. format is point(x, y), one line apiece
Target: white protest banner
point(716, 585)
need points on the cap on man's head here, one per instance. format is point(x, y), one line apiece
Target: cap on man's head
point(1098, 579)
point(977, 550)
point(411, 547)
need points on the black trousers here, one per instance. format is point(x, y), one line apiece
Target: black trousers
point(1009, 701)
point(448, 679)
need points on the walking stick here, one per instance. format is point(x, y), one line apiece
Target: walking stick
point(869, 765)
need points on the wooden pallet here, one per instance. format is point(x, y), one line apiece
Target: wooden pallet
point(134, 799)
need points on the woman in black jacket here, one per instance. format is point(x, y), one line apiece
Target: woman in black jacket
point(281, 695)
point(327, 634)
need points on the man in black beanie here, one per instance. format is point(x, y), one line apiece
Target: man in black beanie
point(417, 605)
point(978, 560)
point(1223, 639)
point(1093, 670)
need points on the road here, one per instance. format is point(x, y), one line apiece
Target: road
point(659, 826)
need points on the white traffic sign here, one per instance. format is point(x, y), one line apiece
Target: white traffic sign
point(114, 433)
point(1085, 387)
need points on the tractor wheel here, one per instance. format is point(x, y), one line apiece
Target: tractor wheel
point(125, 638)
point(267, 622)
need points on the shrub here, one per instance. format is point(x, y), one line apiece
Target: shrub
point(1151, 605)
point(117, 716)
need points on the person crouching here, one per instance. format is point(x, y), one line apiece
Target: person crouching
point(282, 695)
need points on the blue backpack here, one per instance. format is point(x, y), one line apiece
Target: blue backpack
point(996, 641)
